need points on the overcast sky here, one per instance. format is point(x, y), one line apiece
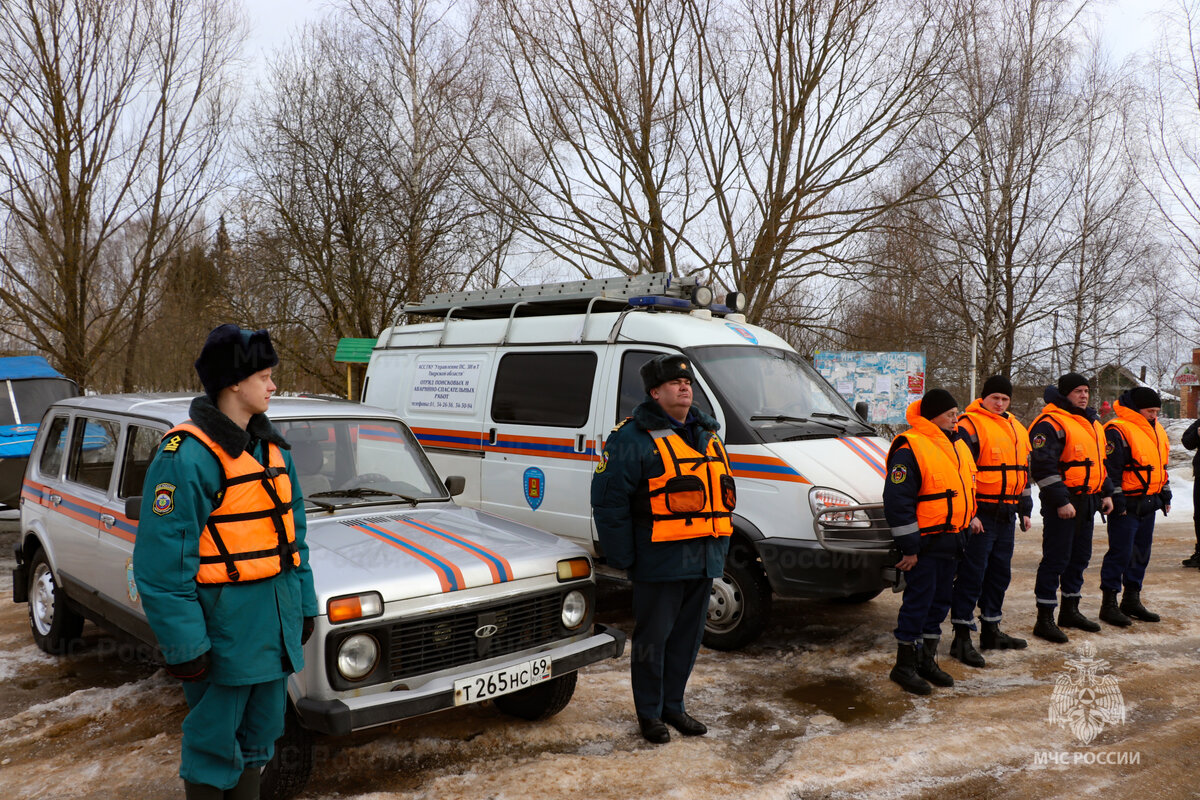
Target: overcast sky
point(1127, 25)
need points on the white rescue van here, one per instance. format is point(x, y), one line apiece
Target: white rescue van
point(517, 389)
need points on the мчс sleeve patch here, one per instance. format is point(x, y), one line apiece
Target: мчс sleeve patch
point(164, 499)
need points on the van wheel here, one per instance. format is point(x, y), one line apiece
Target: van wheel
point(289, 769)
point(54, 625)
point(539, 702)
point(740, 603)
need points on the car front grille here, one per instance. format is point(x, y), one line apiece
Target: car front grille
point(450, 640)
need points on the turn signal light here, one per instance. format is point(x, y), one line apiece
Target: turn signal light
point(574, 569)
point(355, 606)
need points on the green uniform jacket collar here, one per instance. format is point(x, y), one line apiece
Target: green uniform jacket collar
point(225, 432)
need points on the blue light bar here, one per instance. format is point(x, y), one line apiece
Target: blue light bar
point(657, 301)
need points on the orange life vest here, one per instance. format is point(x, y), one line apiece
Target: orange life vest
point(1082, 459)
point(251, 534)
point(695, 495)
point(946, 502)
point(1148, 450)
point(1003, 461)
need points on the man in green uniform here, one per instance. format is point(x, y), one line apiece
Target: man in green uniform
point(230, 615)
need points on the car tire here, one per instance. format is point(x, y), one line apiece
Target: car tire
point(54, 624)
point(289, 769)
point(539, 702)
point(740, 603)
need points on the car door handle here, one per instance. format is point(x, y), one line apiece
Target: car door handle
point(580, 443)
point(107, 520)
point(492, 436)
point(55, 499)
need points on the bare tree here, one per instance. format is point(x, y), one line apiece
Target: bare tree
point(595, 88)
point(364, 193)
point(115, 115)
point(804, 106)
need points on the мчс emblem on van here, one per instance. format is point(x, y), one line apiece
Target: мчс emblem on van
point(535, 487)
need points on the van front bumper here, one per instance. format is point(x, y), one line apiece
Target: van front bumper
point(339, 717)
point(804, 568)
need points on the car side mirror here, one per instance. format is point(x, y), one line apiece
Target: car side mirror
point(133, 507)
point(862, 410)
point(455, 485)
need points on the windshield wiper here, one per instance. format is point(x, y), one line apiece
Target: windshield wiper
point(802, 420)
point(363, 491)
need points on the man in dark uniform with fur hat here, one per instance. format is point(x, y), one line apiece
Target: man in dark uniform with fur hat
point(662, 498)
point(222, 567)
point(1067, 464)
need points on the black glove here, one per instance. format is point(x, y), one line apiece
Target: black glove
point(306, 631)
point(191, 671)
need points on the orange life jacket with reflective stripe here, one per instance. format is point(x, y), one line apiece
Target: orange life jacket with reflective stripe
point(251, 534)
point(1003, 461)
point(1148, 450)
point(695, 495)
point(1082, 459)
point(946, 502)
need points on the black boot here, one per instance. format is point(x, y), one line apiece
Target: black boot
point(1194, 559)
point(1045, 628)
point(992, 638)
point(962, 649)
point(1131, 604)
point(1110, 613)
point(202, 791)
point(1069, 617)
point(905, 671)
point(927, 666)
point(247, 786)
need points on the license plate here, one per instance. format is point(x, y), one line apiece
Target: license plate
point(501, 681)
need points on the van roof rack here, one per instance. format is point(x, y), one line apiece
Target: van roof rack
point(608, 294)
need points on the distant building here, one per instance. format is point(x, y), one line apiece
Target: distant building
point(1112, 380)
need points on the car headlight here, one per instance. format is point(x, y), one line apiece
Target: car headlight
point(574, 609)
point(357, 656)
point(822, 499)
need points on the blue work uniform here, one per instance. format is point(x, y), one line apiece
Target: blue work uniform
point(1066, 543)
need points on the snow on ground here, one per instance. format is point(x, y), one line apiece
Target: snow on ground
point(806, 712)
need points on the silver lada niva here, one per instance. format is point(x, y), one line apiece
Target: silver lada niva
point(425, 605)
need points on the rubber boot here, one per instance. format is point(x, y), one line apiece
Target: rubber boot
point(905, 671)
point(1045, 628)
point(1194, 559)
point(202, 791)
point(247, 785)
point(962, 649)
point(927, 666)
point(1131, 604)
point(992, 638)
point(1110, 613)
point(1069, 617)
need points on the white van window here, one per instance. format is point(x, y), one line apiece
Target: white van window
point(544, 389)
point(93, 451)
point(777, 392)
point(632, 392)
